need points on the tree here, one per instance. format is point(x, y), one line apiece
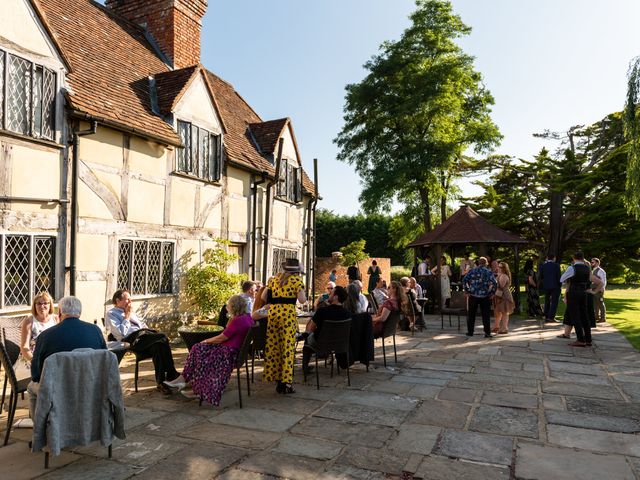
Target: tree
point(333, 231)
point(409, 121)
point(208, 284)
point(571, 199)
point(632, 132)
point(353, 253)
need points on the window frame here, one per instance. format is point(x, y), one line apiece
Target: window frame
point(188, 158)
point(53, 266)
point(289, 185)
point(131, 266)
point(41, 85)
point(277, 258)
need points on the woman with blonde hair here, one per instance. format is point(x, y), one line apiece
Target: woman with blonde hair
point(282, 292)
point(503, 300)
point(41, 318)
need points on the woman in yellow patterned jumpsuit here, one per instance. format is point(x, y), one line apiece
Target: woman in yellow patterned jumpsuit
point(281, 294)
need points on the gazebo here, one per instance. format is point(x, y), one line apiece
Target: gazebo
point(467, 228)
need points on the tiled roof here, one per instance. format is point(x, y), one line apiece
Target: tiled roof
point(170, 87)
point(267, 134)
point(111, 61)
point(467, 227)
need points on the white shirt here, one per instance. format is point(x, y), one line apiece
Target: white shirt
point(423, 269)
point(363, 304)
point(569, 272)
point(602, 275)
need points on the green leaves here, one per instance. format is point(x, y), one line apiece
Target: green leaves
point(353, 253)
point(632, 132)
point(208, 285)
point(421, 105)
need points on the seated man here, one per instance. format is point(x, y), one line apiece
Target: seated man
point(335, 311)
point(69, 334)
point(125, 326)
point(249, 290)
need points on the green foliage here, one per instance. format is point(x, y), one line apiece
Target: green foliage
point(409, 120)
point(588, 173)
point(632, 132)
point(208, 284)
point(398, 272)
point(333, 231)
point(353, 253)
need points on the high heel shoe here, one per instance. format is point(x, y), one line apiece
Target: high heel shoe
point(288, 388)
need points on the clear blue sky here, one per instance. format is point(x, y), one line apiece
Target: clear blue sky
point(549, 64)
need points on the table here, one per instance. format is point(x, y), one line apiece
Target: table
point(197, 333)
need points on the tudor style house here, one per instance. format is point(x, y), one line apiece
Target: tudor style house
point(122, 157)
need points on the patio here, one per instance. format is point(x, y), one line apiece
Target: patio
point(523, 405)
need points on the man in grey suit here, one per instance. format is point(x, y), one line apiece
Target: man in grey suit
point(549, 273)
point(598, 297)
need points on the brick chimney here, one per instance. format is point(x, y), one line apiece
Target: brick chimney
point(174, 24)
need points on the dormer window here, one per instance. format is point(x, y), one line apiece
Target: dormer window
point(201, 155)
point(290, 183)
point(27, 100)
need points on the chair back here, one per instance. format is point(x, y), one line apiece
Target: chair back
point(390, 325)
point(11, 336)
point(334, 336)
point(110, 337)
point(259, 335)
point(246, 347)
point(458, 300)
point(372, 302)
point(7, 364)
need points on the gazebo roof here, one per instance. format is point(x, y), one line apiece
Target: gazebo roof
point(466, 227)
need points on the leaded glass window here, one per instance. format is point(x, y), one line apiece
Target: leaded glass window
point(145, 267)
point(290, 182)
point(27, 101)
point(28, 268)
point(201, 155)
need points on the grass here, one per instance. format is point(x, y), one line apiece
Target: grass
point(623, 310)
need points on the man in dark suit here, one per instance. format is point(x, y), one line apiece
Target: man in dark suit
point(550, 283)
point(69, 334)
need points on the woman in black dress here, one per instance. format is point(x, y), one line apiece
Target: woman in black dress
point(533, 297)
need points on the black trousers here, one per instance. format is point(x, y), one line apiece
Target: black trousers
point(551, 297)
point(156, 346)
point(577, 313)
point(485, 309)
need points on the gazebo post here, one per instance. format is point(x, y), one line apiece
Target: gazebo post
point(516, 281)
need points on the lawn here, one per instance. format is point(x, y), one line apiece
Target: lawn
point(623, 310)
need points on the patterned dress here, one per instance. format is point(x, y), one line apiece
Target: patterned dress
point(209, 366)
point(281, 329)
point(533, 297)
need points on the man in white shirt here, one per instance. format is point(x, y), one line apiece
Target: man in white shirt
point(598, 296)
point(249, 290)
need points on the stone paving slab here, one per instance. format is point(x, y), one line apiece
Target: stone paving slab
point(229, 435)
point(594, 440)
point(347, 472)
point(89, 468)
point(376, 399)
point(170, 424)
point(499, 379)
point(283, 465)
point(419, 380)
point(198, 461)
point(441, 468)
point(390, 387)
point(581, 390)
point(603, 407)
point(440, 414)
point(345, 432)
point(502, 372)
point(381, 460)
point(362, 414)
point(309, 447)
point(479, 447)
point(239, 474)
point(444, 367)
point(458, 394)
point(559, 376)
point(517, 400)
point(17, 458)
point(539, 462)
point(505, 421)
point(424, 391)
point(582, 368)
point(415, 439)
point(254, 418)
point(595, 422)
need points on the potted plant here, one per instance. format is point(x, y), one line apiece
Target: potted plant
point(208, 286)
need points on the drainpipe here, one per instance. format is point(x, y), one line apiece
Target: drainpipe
point(311, 207)
point(267, 215)
point(254, 222)
point(74, 202)
point(315, 202)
